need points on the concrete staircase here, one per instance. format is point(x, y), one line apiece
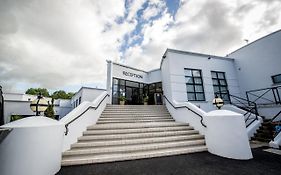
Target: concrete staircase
point(133, 132)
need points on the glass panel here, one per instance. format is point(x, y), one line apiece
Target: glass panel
point(197, 80)
point(223, 88)
point(216, 89)
point(200, 96)
point(214, 75)
point(215, 82)
point(276, 79)
point(187, 72)
point(122, 90)
point(189, 80)
point(190, 96)
point(141, 85)
point(198, 88)
point(222, 82)
point(220, 75)
point(190, 88)
point(132, 84)
point(122, 82)
point(115, 81)
point(196, 73)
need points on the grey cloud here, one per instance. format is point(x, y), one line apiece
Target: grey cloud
point(216, 34)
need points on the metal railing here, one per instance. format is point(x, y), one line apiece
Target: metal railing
point(265, 96)
point(249, 106)
point(90, 107)
point(177, 107)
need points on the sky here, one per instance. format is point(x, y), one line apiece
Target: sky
point(65, 44)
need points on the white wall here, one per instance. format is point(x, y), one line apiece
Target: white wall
point(87, 118)
point(86, 94)
point(257, 62)
point(33, 147)
point(178, 61)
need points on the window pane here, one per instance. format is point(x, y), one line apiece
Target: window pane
point(214, 75)
point(190, 96)
point(189, 80)
point(222, 82)
point(215, 82)
point(187, 72)
point(276, 79)
point(190, 88)
point(196, 73)
point(198, 88)
point(223, 89)
point(216, 89)
point(220, 75)
point(224, 97)
point(132, 84)
point(200, 96)
point(115, 81)
point(197, 80)
point(122, 82)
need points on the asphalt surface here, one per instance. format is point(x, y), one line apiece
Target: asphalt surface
point(188, 164)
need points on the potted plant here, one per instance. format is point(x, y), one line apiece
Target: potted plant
point(145, 100)
point(122, 100)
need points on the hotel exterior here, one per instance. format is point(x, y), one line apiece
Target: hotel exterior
point(180, 117)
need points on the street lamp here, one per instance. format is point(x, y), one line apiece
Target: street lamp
point(39, 105)
point(218, 102)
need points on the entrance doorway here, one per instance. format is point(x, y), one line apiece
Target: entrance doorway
point(134, 92)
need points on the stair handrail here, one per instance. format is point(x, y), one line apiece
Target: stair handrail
point(90, 107)
point(251, 108)
point(274, 90)
point(176, 107)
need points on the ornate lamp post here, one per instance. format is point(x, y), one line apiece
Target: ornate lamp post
point(39, 105)
point(218, 102)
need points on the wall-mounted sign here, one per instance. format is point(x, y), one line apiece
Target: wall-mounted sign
point(129, 74)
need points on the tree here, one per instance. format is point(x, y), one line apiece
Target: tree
point(62, 95)
point(49, 112)
point(36, 91)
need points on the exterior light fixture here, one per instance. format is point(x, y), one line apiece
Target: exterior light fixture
point(218, 102)
point(39, 105)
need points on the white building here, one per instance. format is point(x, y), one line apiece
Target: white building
point(19, 104)
point(196, 77)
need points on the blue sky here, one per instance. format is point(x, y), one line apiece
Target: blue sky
point(65, 44)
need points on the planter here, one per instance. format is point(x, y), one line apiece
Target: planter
point(145, 103)
point(122, 102)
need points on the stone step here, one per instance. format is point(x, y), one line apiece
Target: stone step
point(132, 118)
point(87, 159)
point(132, 148)
point(135, 141)
point(135, 125)
point(136, 135)
point(134, 115)
point(135, 121)
point(137, 130)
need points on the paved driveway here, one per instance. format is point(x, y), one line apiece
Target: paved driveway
point(189, 164)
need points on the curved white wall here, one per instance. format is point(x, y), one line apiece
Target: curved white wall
point(33, 147)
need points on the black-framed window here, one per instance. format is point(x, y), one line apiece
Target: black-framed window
point(79, 100)
point(276, 79)
point(194, 84)
point(220, 85)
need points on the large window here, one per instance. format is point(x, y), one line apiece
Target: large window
point(194, 85)
point(276, 79)
point(220, 85)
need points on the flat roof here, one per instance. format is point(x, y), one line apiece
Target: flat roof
point(192, 53)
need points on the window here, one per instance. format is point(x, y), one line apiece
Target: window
point(220, 85)
point(194, 85)
point(276, 79)
point(79, 100)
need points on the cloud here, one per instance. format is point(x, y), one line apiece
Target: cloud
point(60, 44)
